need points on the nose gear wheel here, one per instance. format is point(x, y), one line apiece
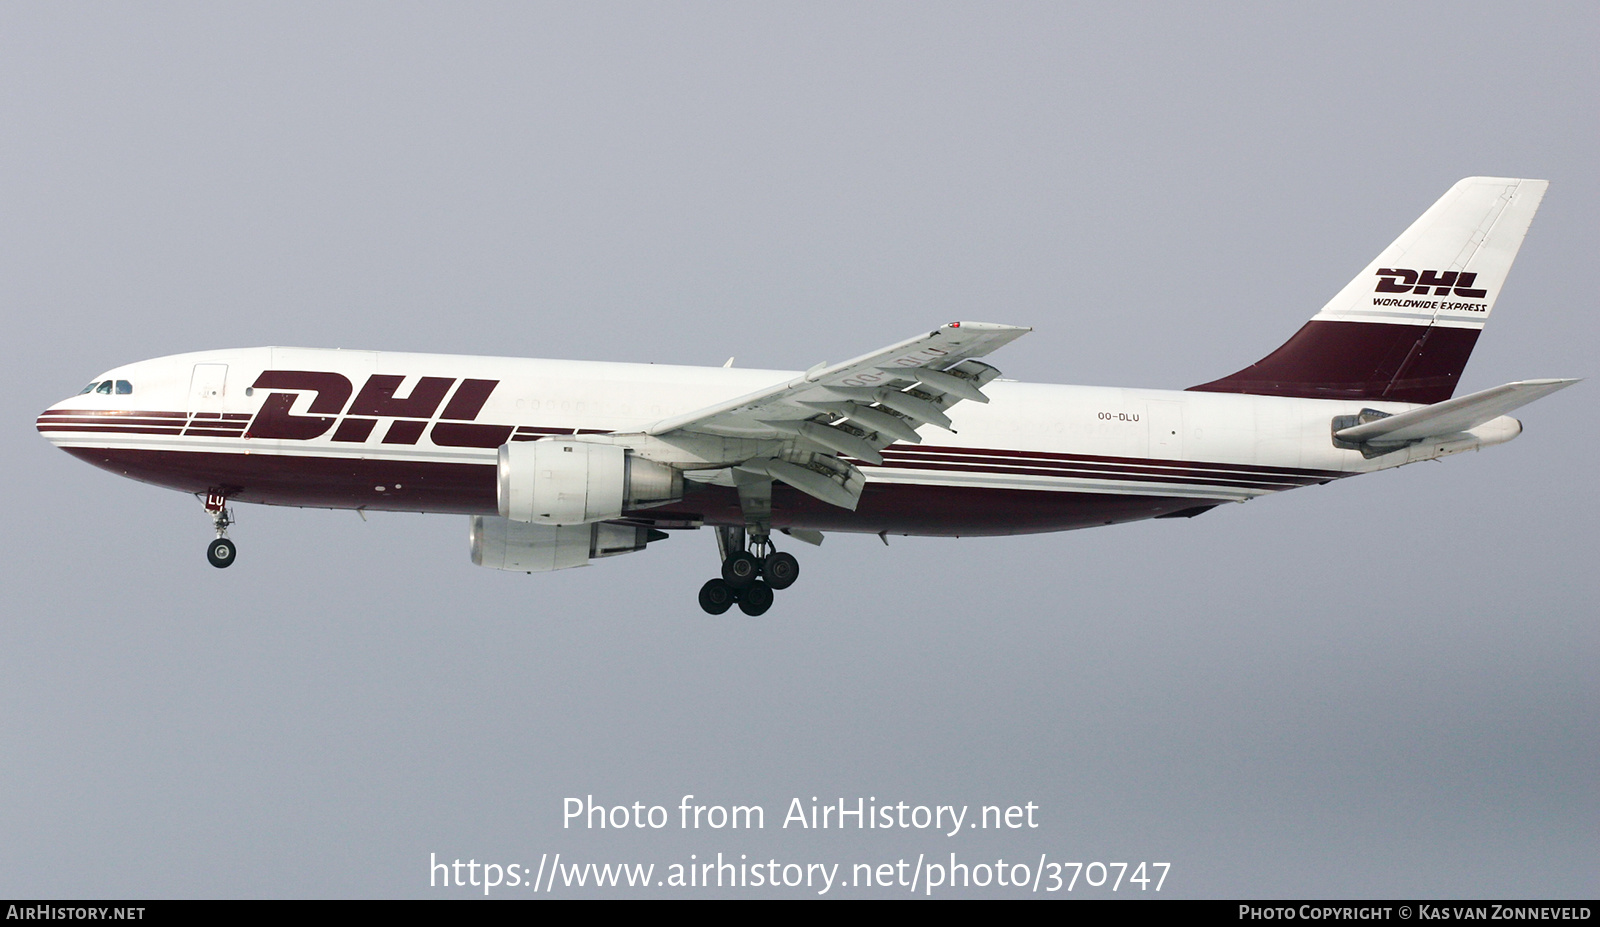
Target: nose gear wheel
point(221, 552)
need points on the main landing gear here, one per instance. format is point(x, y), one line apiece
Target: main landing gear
point(221, 551)
point(749, 576)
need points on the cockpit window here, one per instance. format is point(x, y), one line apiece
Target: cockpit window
point(106, 387)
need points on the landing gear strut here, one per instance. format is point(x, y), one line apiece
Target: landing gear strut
point(750, 574)
point(221, 551)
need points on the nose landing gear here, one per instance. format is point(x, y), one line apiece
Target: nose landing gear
point(221, 551)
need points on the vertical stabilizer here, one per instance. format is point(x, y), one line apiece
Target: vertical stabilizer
point(1403, 329)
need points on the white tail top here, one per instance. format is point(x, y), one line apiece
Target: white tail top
point(1448, 267)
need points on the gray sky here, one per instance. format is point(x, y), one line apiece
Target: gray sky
point(1381, 687)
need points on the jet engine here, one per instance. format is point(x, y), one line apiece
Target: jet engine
point(502, 544)
point(552, 482)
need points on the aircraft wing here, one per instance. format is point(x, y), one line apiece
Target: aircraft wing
point(853, 409)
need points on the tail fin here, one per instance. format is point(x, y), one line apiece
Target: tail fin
point(1403, 329)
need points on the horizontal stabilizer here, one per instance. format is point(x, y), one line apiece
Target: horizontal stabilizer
point(1451, 416)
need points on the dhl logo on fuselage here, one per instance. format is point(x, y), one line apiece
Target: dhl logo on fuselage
point(357, 418)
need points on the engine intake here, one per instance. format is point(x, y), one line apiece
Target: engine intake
point(553, 482)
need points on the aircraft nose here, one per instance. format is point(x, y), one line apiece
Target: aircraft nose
point(51, 421)
point(44, 424)
point(57, 421)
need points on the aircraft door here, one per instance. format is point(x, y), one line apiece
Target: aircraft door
point(207, 387)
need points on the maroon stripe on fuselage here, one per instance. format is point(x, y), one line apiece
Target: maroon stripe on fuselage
point(906, 456)
point(1159, 478)
point(937, 451)
point(110, 413)
point(1154, 467)
point(1066, 472)
point(994, 461)
point(321, 482)
point(1358, 360)
point(125, 422)
point(418, 486)
point(115, 429)
point(939, 511)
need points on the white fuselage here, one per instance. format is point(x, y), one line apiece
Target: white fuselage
point(1035, 458)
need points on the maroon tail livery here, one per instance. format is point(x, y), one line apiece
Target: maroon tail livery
point(1403, 329)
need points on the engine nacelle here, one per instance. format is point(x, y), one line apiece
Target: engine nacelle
point(502, 544)
point(553, 482)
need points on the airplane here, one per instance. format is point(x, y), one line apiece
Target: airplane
point(557, 463)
